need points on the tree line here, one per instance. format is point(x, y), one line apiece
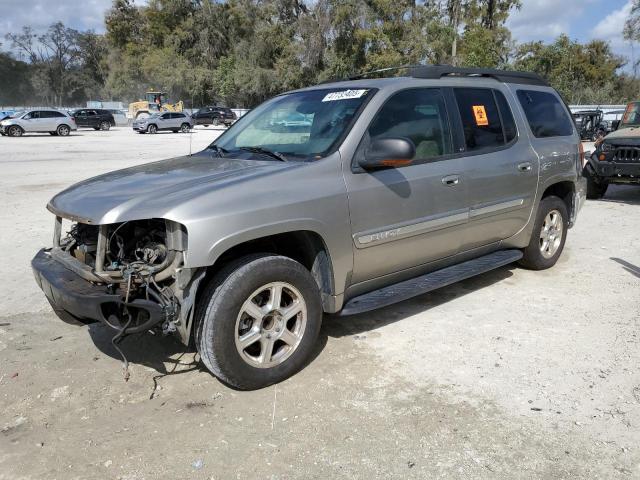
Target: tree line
point(241, 52)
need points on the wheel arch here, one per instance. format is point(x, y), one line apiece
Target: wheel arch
point(305, 246)
point(564, 190)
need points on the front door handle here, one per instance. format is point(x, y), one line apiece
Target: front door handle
point(451, 180)
point(525, 167)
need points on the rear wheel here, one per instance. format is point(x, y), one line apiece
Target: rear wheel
point(105, 126)
point(15, 131)
point(63, 130)
point(152, 129)
point(184, 128)
point(257, 322)
point(549, 235)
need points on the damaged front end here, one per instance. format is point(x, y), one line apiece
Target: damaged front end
point(130, 276)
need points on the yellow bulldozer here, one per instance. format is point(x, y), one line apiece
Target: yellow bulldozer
point(155, 102)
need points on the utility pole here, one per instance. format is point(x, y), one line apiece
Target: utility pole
point(454, 20)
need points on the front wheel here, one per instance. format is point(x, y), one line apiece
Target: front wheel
point(549, 235)
point(152, 129)
point(63, 130)
point(15, 131)
point(257, 322)
point(596, 188)
point(184, 128)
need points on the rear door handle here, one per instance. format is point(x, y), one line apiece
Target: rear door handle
point(451, 180)
point(524, 167)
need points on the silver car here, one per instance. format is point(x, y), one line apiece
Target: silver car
point(52, 121)
point(396, 187)
point(173, 121)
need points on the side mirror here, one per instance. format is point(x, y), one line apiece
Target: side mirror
point(388, 152)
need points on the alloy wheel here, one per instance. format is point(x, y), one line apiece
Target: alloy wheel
point(270, 325)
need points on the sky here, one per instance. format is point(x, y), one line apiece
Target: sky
point(582, 20)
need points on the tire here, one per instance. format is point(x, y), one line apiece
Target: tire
point(221, 321)
point(53, 134)
point(596, 188)
point(15, 131)
point(152, 129)
point(63, 130)
point(175, 131)
point(105, 126)
point(185, 127)
point(539, 255)
point(96, 128)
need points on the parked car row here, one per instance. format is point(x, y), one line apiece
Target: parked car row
point(61, 123)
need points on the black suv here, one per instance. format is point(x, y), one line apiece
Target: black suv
point(214, 116)
point(96, 118)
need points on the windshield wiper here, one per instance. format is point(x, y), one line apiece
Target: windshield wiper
point(219, 150)
point(265, 151)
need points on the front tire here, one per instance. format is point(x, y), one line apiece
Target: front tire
point(152, 129)
point(596, 188)
point(257, 322)
point(184, 128)
point(549, 235)
point(63, 130)
point(15, 131)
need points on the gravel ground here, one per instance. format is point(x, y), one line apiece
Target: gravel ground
point(514, 374)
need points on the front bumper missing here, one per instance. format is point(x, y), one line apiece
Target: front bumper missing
point(84, 301)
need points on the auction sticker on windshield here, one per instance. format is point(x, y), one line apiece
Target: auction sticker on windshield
point(343, 95)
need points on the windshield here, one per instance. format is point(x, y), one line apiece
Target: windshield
point(18, 114)
point(302, 124)
point(631, 115)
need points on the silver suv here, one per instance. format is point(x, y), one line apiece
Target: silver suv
point(52, 121)
point(174, 121)
point(391, 188)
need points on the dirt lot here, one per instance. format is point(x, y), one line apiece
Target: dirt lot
point(514, 374)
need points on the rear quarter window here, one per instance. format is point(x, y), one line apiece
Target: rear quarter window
point(547, 116)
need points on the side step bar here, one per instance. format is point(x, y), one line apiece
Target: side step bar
point(428, 282)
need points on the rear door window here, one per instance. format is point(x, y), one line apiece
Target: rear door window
point(419, 114)
point(480, 117)
point(547, 116)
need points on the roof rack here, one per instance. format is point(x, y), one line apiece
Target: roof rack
point(439, 71)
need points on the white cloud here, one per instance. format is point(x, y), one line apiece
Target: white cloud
point(610, 27)
point(545, 19)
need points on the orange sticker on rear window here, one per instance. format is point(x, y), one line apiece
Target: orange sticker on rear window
point(481, 115)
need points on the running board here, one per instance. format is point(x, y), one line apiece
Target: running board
point(428, 282)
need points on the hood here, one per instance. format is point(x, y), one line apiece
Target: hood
point(626, 133)
point(154, 189)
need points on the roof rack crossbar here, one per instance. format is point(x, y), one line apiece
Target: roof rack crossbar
point(507, 76)
point(439, 71)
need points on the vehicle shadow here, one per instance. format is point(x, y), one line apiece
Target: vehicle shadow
point(154, 351)
point(164, 354)
point(629, 267)
point(629, 194)
point(335, 326)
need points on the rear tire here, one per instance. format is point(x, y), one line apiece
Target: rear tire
point(105, 126)
point(185, 127)
point(251, 351)
point(63, 130)
point(548, 236)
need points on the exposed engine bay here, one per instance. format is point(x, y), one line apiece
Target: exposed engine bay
point(139, 266)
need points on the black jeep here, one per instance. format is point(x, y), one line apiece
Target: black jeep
point(617, 156)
